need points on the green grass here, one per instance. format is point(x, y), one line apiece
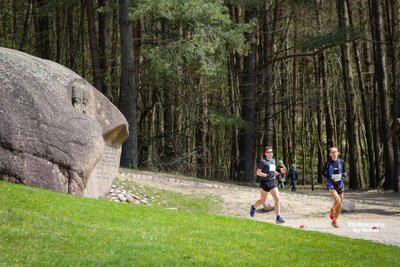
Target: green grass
point(43, 228)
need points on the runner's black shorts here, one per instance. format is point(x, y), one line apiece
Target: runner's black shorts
point(267, 185)
point(338, 186)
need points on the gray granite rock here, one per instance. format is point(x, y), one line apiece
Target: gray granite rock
point(56, 130)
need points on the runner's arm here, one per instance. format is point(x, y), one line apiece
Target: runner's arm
point(325, 172)
point(344, 171)
point(261, 174)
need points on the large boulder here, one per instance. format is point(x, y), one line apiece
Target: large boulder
point(348, 205)
point(56, 130)
point(269, 205)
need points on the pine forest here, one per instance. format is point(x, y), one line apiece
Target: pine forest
point(205, 85)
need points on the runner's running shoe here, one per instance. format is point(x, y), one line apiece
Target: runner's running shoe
point(252, 211)
point(332, 214)
point(279, 219)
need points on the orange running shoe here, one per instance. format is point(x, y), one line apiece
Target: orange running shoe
point(332, 214)
point(335, 224)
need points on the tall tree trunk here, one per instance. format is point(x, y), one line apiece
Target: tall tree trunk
point(320, 80)
point(138, 33)
point(168, 150)
point(144, 128)
point(382, 84)
point(72, 44)
point(128, 93)
point(322, 84)
point(377, 147)
point(268, 44)
point(4, 27)
point(303, 124)
point(393, 21)
point(59, 31)
point(103, 46)
point(292, 114)
point(355, 54)
point(282, 109)
point(319, 91)
point(310, 140)
point(200, 135)
point(14, 28)
point(319, 149)
point(379, 173)
point(114, 88)
point(82, 34)
point(93, 45)
point(42, 30)
point(28, 13)
point(282, 93)
point(247, 93)
point(351, 112)
point(366, 86)
point(233, 83)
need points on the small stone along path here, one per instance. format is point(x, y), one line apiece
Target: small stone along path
point(376, 216)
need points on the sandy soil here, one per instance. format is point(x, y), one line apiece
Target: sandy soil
point(376, 216)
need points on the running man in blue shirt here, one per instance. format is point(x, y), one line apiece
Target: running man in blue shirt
point(335, 172)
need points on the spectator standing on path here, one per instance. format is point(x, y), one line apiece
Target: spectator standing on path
point(266, 172)
point(281, 175)
point(293, 175)
point(335, 172)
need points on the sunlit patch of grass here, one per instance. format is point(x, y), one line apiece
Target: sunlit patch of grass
point(43, 228)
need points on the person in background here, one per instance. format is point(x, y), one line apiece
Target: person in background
point(266, 172)
point(293, 175)
point(281, 175)
point(335, 173)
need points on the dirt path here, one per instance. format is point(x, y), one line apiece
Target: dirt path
point(377, 210)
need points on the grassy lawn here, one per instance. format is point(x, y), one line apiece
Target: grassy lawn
point(43, 228)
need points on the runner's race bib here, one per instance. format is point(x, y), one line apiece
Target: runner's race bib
point(336, 177)
point(272, 167)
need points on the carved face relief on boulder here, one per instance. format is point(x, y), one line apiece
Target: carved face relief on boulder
point(56, 130)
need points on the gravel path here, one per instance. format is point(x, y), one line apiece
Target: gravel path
point(376, 217)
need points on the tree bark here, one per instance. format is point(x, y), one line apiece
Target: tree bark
point(351, 112)
point(356, 128)
point(103, 46)
point(59, 31)
point(247, 93)
point(42, 32)
point(200, 136)
point(382, 85)
point(233, 83)
point(114, 88)
point(93, 45)
point(269, 38)
point(392, 22)
point(368, 87)
point(128, 93)
point(72, 44)
point(167, 103)
point(323, 110)
point(82, 34)
point(25, 30)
